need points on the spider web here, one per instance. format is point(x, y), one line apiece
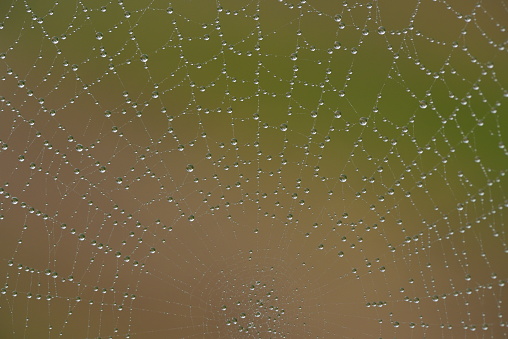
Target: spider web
point(263, 169)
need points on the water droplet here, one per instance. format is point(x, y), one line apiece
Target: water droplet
point(284, 127)
point(363, 121)
point(55, 40)
point(381, 30)
point(21, 84)
point(99, 36)
point(423, 104)
point(119, 180)
point(79, 148)
point(190, 168)
point(343, 178)
point(144, 58)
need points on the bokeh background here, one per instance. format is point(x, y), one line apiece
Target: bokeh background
point(264, 169)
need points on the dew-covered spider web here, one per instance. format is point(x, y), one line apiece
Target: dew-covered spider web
point(257, 169)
